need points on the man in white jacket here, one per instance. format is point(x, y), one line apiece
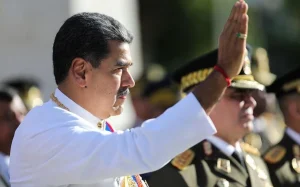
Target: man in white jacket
point(66, 142)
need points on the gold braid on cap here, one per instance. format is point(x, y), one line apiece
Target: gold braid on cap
point(194, 78)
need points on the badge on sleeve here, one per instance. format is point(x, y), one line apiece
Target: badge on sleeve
point(224, 165)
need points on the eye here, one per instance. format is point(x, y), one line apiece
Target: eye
point(237, 97)
point(118, 70)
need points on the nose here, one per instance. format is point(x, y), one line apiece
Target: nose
point(249, 101)
point(127, 80)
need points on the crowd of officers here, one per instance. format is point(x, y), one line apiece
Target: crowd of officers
point(257, 121)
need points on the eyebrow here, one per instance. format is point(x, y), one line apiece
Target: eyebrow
point(123, 64)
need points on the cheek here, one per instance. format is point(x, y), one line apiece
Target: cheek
point(231, 111)
point(107, 85)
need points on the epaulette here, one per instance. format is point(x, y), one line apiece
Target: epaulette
point(275, 154)
point(254, 140)
point(250, 149)
point(184, 159)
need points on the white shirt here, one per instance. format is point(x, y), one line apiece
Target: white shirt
point(54, 147)
point(293, 134)
point(226, 148)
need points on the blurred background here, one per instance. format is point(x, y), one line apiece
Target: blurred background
point(167, 34)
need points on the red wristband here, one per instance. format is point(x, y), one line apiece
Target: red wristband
point(221, 70)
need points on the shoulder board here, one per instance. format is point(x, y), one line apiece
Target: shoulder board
point(250, 149)
point(275, 154)
point(183, 160)
point(254, 140)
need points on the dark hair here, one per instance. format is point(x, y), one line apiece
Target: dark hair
point(21, 84)
point(85, 35)
point(7, 93)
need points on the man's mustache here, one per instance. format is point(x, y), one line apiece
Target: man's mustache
point(123, 92)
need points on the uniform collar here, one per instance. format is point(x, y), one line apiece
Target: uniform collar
point(77, 109)
point(226, 148)
point(293, 135)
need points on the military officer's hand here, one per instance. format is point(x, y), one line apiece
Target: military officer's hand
point(232, 41)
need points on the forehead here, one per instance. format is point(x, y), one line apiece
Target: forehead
point(119, 49)
point(16, 105)
point(238, 91)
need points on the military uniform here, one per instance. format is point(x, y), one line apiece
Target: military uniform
point(283, 161)
point(268, 125)
point(211, 163)
point(206, 165)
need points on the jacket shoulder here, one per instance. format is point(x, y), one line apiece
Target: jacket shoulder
point(184, 159)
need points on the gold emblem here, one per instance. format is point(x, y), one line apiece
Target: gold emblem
point(249, 149)
point(275, 154)
point(296, 159)
point(247, 65)
point(261, 174)
point(207, 148)
point(296, 164)
point(296, 151)
point(224, 165)
point(99, 124)
point(223, 183)
point(253, 140)
point(251, 162)
point(184, 159)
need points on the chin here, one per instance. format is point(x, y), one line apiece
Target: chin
point(117, 110)
point(248, 126)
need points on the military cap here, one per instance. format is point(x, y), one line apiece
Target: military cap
point(161, 93)
point(261, 67)
point(286, 84)
point(28, 89)
point(198, 69)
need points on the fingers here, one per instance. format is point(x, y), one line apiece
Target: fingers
point(243, 20)
point(233, 29)
point(230, 20)
point(242, 26)
point(241, 42)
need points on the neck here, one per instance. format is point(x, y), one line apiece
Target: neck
point(77, 96)
point(72, 94)
point(82, 97)
point(292, 123)
point(229, 139)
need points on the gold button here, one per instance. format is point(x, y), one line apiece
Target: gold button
point(99, 124)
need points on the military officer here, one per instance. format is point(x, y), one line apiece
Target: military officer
point(12, 111)
point(268, 125)
point(283, 159)
point(220, 160)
